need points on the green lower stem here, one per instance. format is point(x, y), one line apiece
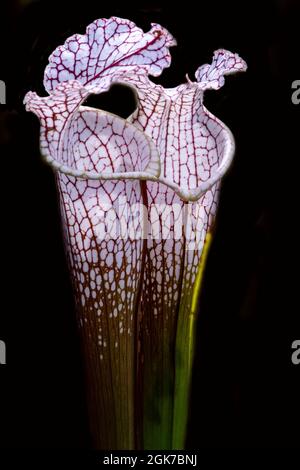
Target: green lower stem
point(167, 371)
point(157, 435)
point(184, 355)
point(158, 396)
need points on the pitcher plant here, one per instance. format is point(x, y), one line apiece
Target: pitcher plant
point(138, 199)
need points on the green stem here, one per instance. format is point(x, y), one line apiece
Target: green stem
point(184, 355)
point(158, 410)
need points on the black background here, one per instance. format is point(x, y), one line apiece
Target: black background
point(246, 390)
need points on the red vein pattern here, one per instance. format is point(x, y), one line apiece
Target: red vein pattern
point(109, 45)
point(158, 172)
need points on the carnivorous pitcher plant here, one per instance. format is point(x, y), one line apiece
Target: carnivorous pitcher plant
point(138, 198)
